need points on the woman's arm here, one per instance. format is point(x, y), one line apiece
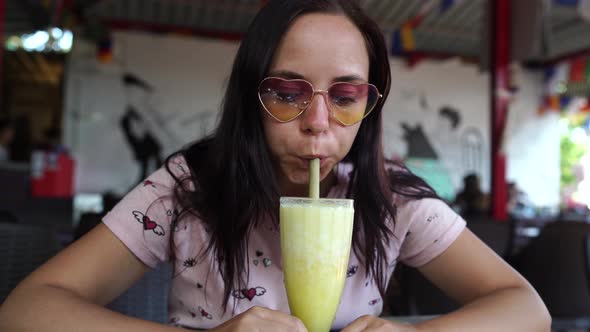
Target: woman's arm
point(69, 291)
point(495, 296)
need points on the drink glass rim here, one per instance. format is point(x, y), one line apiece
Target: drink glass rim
point(343, 202)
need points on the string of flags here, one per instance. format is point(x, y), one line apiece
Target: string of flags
point(403, 40)
point(104, 49)
point(583, 6)
point(565, 84)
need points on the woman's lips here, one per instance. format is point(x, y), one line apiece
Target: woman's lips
point(304, 160)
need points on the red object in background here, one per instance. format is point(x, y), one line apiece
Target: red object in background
point(52, 175)
point(578, 69)
point(500, 81)
point(500, 199)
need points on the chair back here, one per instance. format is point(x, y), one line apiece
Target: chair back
point(418, 296)
point(557, 264)
point(23, 248)
point(496, 235)
point(147, 298)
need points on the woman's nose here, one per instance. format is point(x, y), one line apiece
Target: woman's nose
point(316, 118)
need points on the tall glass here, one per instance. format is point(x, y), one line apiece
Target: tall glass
point(315, 242)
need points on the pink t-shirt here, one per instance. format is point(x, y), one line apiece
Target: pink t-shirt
point(144, 222)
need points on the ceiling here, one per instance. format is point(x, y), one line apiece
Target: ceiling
point(32, 67)
point(558, 32)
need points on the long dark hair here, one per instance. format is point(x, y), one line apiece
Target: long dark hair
point(231, 170)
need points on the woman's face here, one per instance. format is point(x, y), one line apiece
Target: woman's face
point(321, 49)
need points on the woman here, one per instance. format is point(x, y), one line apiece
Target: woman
point(309, 81)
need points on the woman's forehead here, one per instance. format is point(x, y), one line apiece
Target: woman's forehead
point(323, 45)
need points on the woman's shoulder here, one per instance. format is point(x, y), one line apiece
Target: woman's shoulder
point(173, 173)
point(150, 214)
point(177, 167)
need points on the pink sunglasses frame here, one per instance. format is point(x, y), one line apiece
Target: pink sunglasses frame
point(314, 92)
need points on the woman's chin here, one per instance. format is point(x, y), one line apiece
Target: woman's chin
point(298, 181)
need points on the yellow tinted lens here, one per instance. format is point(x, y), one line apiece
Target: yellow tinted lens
point(351, 102)
point(280, 110)
point(285, 99)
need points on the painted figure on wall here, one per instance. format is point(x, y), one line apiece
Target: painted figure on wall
point(137, 129)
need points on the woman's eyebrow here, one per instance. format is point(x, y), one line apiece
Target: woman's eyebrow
point(293, 75)
point(348, 78)
point(286, 74)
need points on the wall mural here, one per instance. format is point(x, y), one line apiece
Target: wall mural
point(138, 130)
point(146, 128)
point(435, 143)
point(133, 114)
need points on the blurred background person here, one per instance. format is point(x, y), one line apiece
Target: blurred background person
point(471, 201)
point(6, 138)
point(52, 141)
point(519, 204)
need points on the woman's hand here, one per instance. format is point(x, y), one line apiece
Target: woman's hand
point(376, 324)
point(262, 320)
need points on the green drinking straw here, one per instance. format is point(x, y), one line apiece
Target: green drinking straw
point(314, 178)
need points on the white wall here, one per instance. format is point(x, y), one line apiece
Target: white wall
point(189, 74)
point(532, 143)
point(419, 93)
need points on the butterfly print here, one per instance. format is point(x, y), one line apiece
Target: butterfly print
point(265, 261)
point(351, 271)
point(432, 218)
point(190, 262)
point(148, 224)
point(180, 167)
point(204, 313)
point(248, 293)
point(187, 264)
point(148, 183)
point(375, 301)
point(176, 228)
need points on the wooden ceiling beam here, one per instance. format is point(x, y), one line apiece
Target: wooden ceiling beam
point(30, 66)
point(44, 67)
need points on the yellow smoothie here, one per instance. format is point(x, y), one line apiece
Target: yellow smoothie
point(316, 235)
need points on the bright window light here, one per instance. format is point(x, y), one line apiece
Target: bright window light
point(13, 43)
point(52, 40)
point(579, 135)
point(35, 41)
point(56, 33)
point(65, 42)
